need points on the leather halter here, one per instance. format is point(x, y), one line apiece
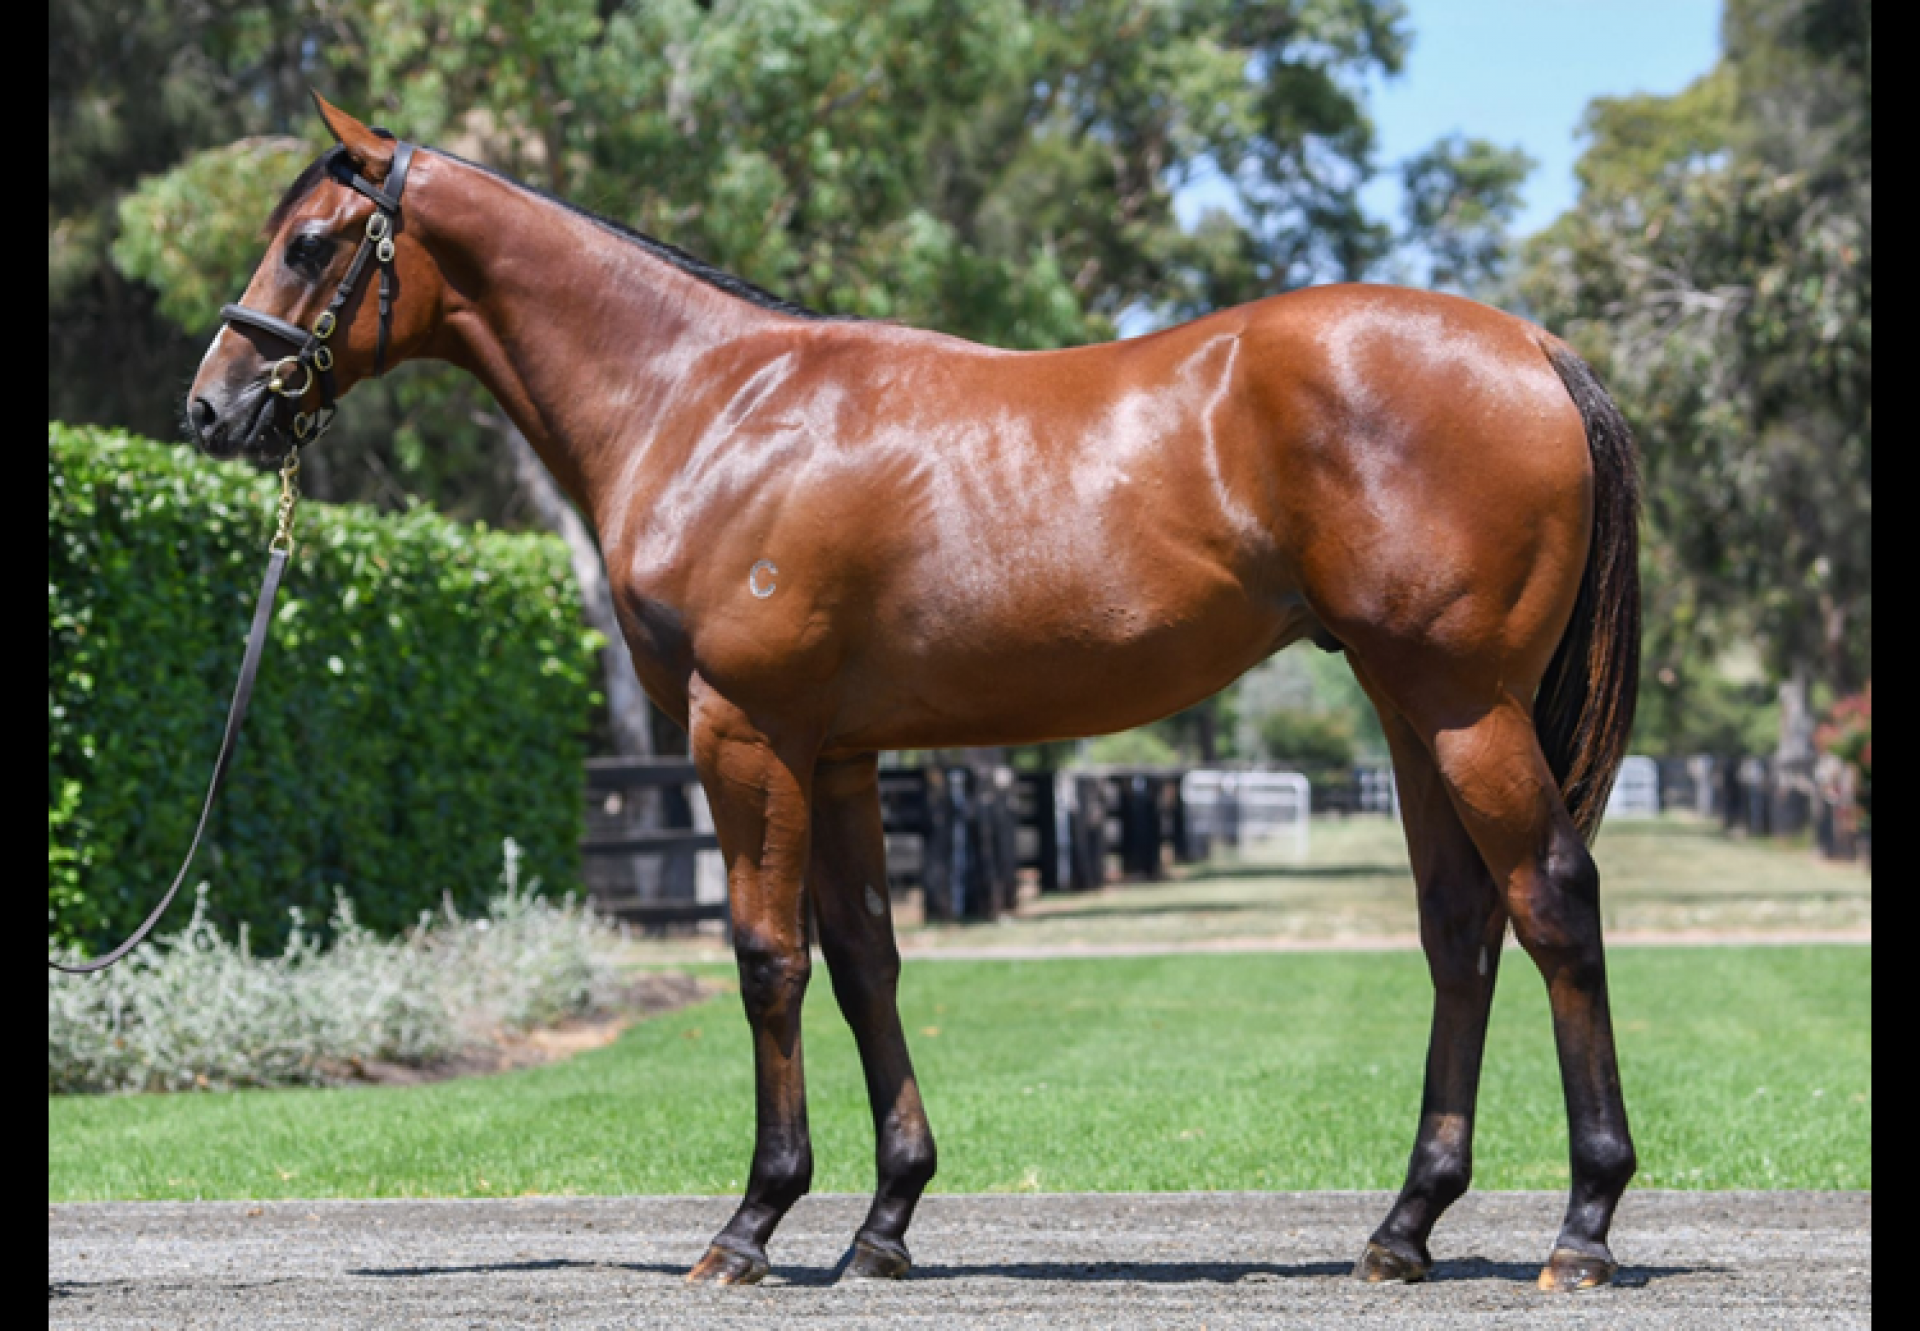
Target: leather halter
point(313, 359)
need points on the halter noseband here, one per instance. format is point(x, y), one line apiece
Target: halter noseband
point(313, 361)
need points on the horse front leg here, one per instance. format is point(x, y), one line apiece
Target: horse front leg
point(847, 882)
point(758, 788)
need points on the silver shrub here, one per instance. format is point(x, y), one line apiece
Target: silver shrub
point(196, 1010)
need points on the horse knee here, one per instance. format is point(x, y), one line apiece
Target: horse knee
point(773, 976)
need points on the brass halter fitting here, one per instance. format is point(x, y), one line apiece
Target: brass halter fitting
point(277, 383)
point(289, 500)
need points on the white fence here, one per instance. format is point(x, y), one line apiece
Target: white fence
point(1251, 812)
point(1636, 792)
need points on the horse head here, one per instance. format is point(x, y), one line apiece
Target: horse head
point(342, 293)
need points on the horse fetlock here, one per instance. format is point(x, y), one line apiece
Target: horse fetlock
point(907, 1162)
point(780, 1178)
point(1440, 1178)
point(1603, 1163)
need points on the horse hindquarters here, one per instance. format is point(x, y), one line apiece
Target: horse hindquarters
point(1460, 672)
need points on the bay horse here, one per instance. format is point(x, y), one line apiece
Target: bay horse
point(829, 537)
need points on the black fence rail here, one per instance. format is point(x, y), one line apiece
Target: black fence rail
point(960, 833)
point(963, 833)
point(638, 855)
point(1756, 795)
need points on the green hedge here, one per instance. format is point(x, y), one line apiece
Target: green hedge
point(425, 693)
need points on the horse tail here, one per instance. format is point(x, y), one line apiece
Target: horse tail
point(1583, 712)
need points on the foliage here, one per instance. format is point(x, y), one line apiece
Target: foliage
point(193, 233)
point(1308, 741)
point(425, 692)
point(1694, 706)
point(1718, 271)
point(1743, 1068)
point(1460, 195)
point(133, 86)
point(1142, 747)
point(193, 1010)
point(1848, 735)
point(1305, 706)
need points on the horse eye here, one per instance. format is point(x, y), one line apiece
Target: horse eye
point(307, 252)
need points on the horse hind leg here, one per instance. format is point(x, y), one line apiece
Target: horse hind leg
point(1497, 778)
point(1463, 923)
point(847, 880)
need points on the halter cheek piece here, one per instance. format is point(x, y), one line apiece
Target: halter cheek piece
point(312, 361)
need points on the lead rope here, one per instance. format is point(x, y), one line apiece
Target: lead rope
point(278, 551)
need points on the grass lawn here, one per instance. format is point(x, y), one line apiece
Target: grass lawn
point(1661, 876)
point(1657, 876)
point(1744, 1068)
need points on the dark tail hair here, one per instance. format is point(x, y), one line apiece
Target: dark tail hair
point(1584, 710)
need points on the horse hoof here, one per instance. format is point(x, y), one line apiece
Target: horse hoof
point(877, 1259)
point(724, 1266)
point(1379, 1264)
point(1567, 1270)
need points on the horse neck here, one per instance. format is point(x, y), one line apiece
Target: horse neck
point(582, 335)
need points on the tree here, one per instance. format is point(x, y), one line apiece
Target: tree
point(1461, 195)
point(1718, 270)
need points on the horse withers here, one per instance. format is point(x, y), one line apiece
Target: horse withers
point(829, 537)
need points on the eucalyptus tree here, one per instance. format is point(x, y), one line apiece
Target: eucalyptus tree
point(1718, 269)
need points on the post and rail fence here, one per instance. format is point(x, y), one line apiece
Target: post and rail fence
point(962, 833)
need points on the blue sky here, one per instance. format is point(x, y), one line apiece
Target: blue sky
point(1521, 72)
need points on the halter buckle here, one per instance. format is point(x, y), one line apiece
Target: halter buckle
point(323, 358)
point(378, 226)
point(384, 251)
point(323, 327)
point(277, 382)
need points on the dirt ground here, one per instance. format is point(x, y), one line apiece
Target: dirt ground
point(1061, 1261)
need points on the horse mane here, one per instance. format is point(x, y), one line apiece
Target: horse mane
point(690, 264)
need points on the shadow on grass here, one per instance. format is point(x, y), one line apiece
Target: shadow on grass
point(1217, 872)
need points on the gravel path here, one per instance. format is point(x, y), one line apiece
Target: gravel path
point(1212, 1260)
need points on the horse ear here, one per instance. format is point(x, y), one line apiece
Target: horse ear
point(373, 153)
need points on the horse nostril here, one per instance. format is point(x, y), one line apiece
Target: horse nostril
point(203, 414)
